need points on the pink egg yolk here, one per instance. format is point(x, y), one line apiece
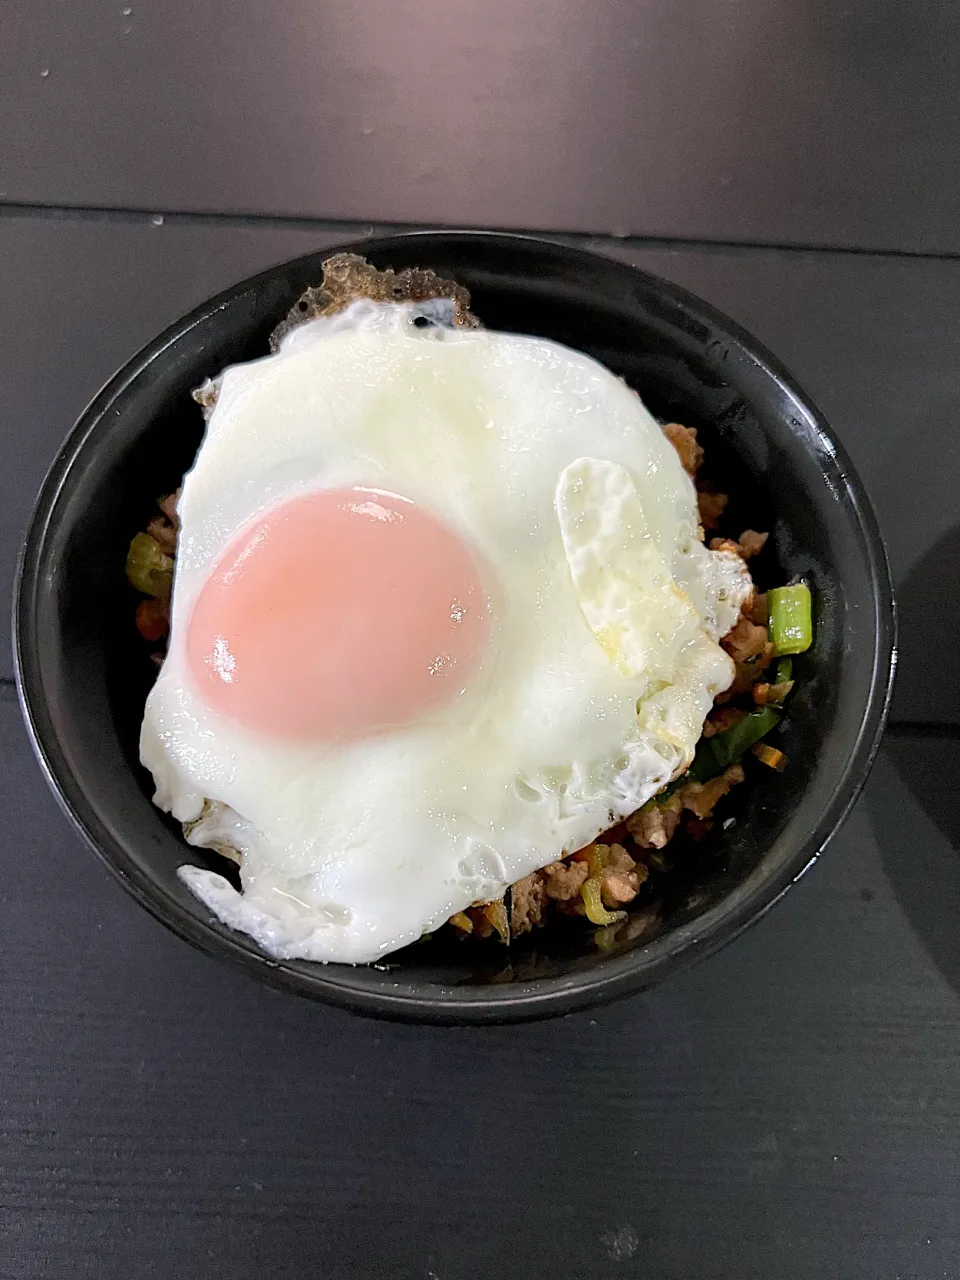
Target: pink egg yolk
point(337, 614)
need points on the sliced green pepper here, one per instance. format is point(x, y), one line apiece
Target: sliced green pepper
point(148, 569)
point(733, 742)
point(703, 767)
point(791, 625)
point(715, 754)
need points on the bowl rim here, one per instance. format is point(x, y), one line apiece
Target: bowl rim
point(542, 997)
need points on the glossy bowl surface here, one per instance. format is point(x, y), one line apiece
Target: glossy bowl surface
point(82, 674)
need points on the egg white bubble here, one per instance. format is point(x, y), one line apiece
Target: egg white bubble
point(603, 663)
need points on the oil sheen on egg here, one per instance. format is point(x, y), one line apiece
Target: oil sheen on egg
point(440, 616)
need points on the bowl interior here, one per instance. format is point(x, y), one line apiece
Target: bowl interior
point(84, 674)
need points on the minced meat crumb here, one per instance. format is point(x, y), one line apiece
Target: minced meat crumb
point(653, 827)
point(711, 507)
point(748, 644)
point(756, 608)
point(562, 880)
point(621, 878)
point(164, 534)
point(684, 440)
point(749, 544)
point(165, 527)
point(746, 640)
point(752, 543)
point(701, 797)
point(527, 898)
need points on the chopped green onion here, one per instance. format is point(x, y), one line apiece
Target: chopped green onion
point(791, 627)
point(148, 569)
point(784, 671)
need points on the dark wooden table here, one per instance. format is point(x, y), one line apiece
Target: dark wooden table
point(789, 1109)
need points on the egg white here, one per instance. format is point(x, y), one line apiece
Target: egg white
point(604, 660)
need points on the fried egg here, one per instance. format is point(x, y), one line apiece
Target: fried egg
point(441, 614)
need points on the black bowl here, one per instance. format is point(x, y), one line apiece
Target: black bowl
point(83, 676)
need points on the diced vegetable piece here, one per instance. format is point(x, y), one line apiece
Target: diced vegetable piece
point(703, 768)
point(771, 695)
point(148, 569)
point(784, 671)
point(715, 754)
point(791, 625)
point(152, 619)
point(770, 756)
point(605, 939)
point(496, 914)
point(731, 744)
point(597, 913)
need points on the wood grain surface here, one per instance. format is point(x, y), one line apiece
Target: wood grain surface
point(790, 1109)
point(800, 121)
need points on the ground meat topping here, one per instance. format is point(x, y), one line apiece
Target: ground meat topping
point(168, 506)
point(748, 673)
point(164, 534)
point(752, 543)
point(684, 440)
point(652, 827)
point(700, 797)
point(526, 904)
point(749, 544)
point(165, 528)
point(562, 880)
point(755, 608)
point(621, 878)
point(745, 641)
point(711, 507)
point(748, 644)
